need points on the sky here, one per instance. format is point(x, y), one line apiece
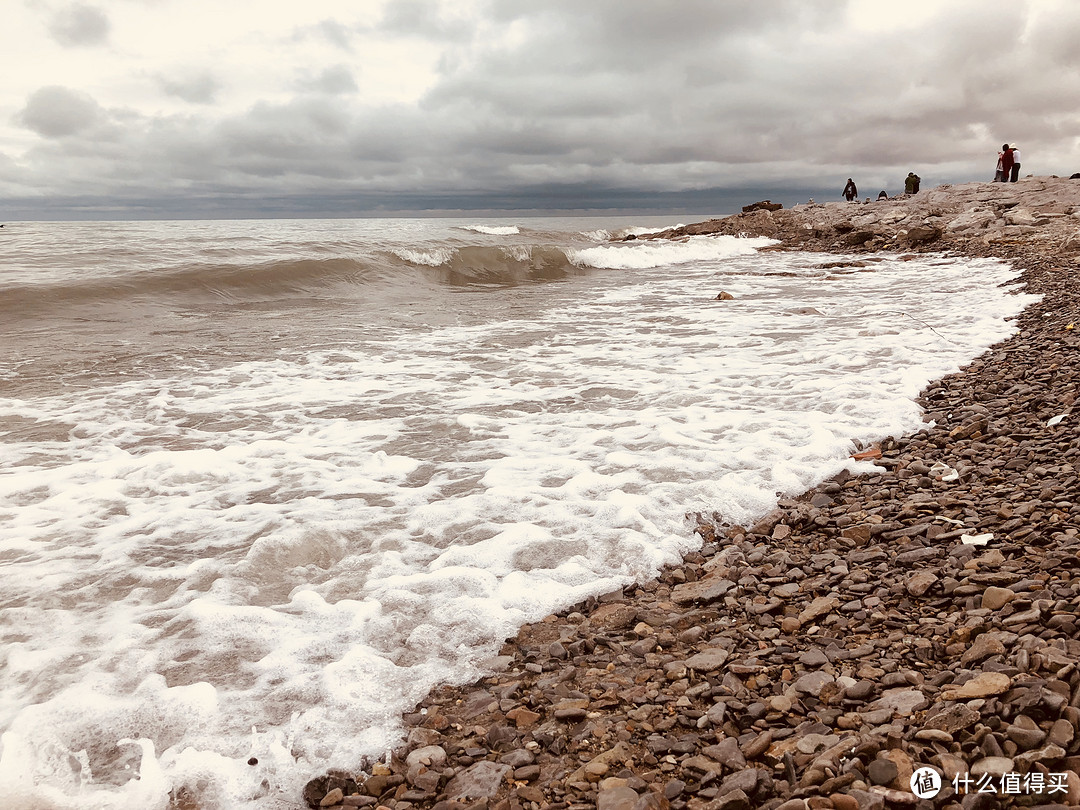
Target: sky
point(118, 109)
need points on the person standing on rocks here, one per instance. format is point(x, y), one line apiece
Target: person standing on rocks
point(911, 183)
point(1005, 164)
point(1015, 174)
point(850, 191)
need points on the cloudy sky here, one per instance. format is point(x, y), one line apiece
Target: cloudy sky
point(143, 108)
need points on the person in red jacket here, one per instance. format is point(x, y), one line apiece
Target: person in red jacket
point(1005, 160)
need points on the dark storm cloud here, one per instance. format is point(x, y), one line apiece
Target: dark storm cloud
point(58, 112)
point(78, 25)
point(579, 102)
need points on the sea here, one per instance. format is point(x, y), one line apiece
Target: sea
point(264, 484)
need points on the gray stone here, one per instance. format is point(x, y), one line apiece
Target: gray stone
point(1062, 733)
point(707, 589)
point(708, 660)
point(984, 646)
point(882, 771)
point(812, 683)
point(727, 753)
point(424, 766)
point(617, 798)
point(1048, 755)
point(745, 780)
point(868, 800)
point(813, 658)
point(995, 766)
point(902, 701)
point(1025, 738)
point(860, 690)
point(732, 800)
point(479, 781)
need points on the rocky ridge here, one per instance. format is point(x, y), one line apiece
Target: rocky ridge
point(1041, 212)
point(926, 615)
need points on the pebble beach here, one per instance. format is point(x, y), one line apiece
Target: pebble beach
point(919, 619)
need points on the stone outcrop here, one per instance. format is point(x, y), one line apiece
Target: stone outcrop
point(1041, 211)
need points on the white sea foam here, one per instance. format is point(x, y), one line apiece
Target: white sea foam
point(521, 253)
point(605, 234)
point(642, 255)
point(304, 544)
point(493, 230)
point(431, 258)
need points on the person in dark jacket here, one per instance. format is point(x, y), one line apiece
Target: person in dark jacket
point(850, 192)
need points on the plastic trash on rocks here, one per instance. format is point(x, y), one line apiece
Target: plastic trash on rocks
point(943, 472)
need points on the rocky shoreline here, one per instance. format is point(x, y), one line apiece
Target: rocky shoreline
point(926, 615)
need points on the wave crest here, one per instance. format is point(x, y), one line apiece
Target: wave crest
point(643, 255)
point(493, 230)
point(495, 265)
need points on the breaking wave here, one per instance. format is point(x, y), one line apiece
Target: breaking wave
point(405, 268)
point(493, 230)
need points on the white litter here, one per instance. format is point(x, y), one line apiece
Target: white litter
point(976, 539)
point(1056, 419)
point(944, 472)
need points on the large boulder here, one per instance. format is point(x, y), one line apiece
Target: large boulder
point(922, 234)
point(859, 237)
point(764, 205)
point(974, 220)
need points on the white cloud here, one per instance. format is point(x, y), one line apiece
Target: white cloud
point(499, 96)
point(58, 112)
point(195, 87)
point(78, 24)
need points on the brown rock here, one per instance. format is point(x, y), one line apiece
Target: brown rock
point(921, 234)
point(953, 718)
point(617, 798)
point(764, 205)
point(920, 582)
point(333, 797)
point(523, 718)
point(995, 598)
point(984, 684)
point(706, 589)
point(984, 646)
point(617, 616)
point(620, 753)
point(819, 607)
